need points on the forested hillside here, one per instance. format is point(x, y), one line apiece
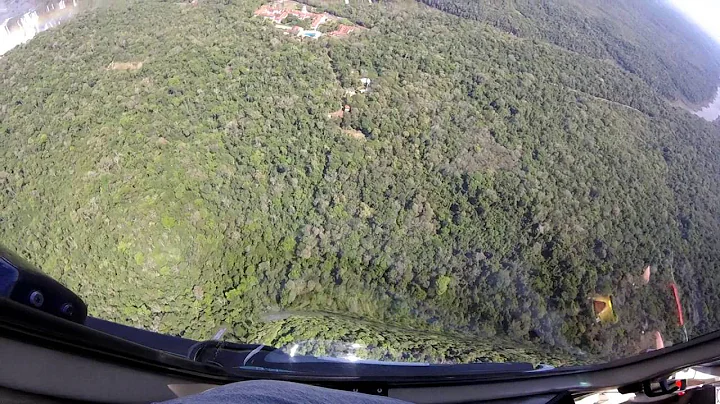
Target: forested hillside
point(178, 168)
point(648, 38)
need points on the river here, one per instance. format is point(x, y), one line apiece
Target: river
point(20, 23)
point(712, 111)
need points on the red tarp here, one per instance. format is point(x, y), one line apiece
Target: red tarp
point(677, 302)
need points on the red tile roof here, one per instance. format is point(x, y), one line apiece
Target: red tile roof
point(317, 21)
point(342, 30)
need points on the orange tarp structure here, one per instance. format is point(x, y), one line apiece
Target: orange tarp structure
point(602, 306)
point(677, 303)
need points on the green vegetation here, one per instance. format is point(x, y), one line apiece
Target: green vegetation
point(501, 182)
point(647, 38)
point(292, 20)
point(329, 26)
point(333, 335)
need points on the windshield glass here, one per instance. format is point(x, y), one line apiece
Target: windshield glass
point(433, 181)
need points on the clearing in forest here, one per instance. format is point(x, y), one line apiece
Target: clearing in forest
point(355, 134)
point(125, 66)
point(301, 21)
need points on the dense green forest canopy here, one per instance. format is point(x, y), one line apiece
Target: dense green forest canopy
point(177, 167)
point(648, 38)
